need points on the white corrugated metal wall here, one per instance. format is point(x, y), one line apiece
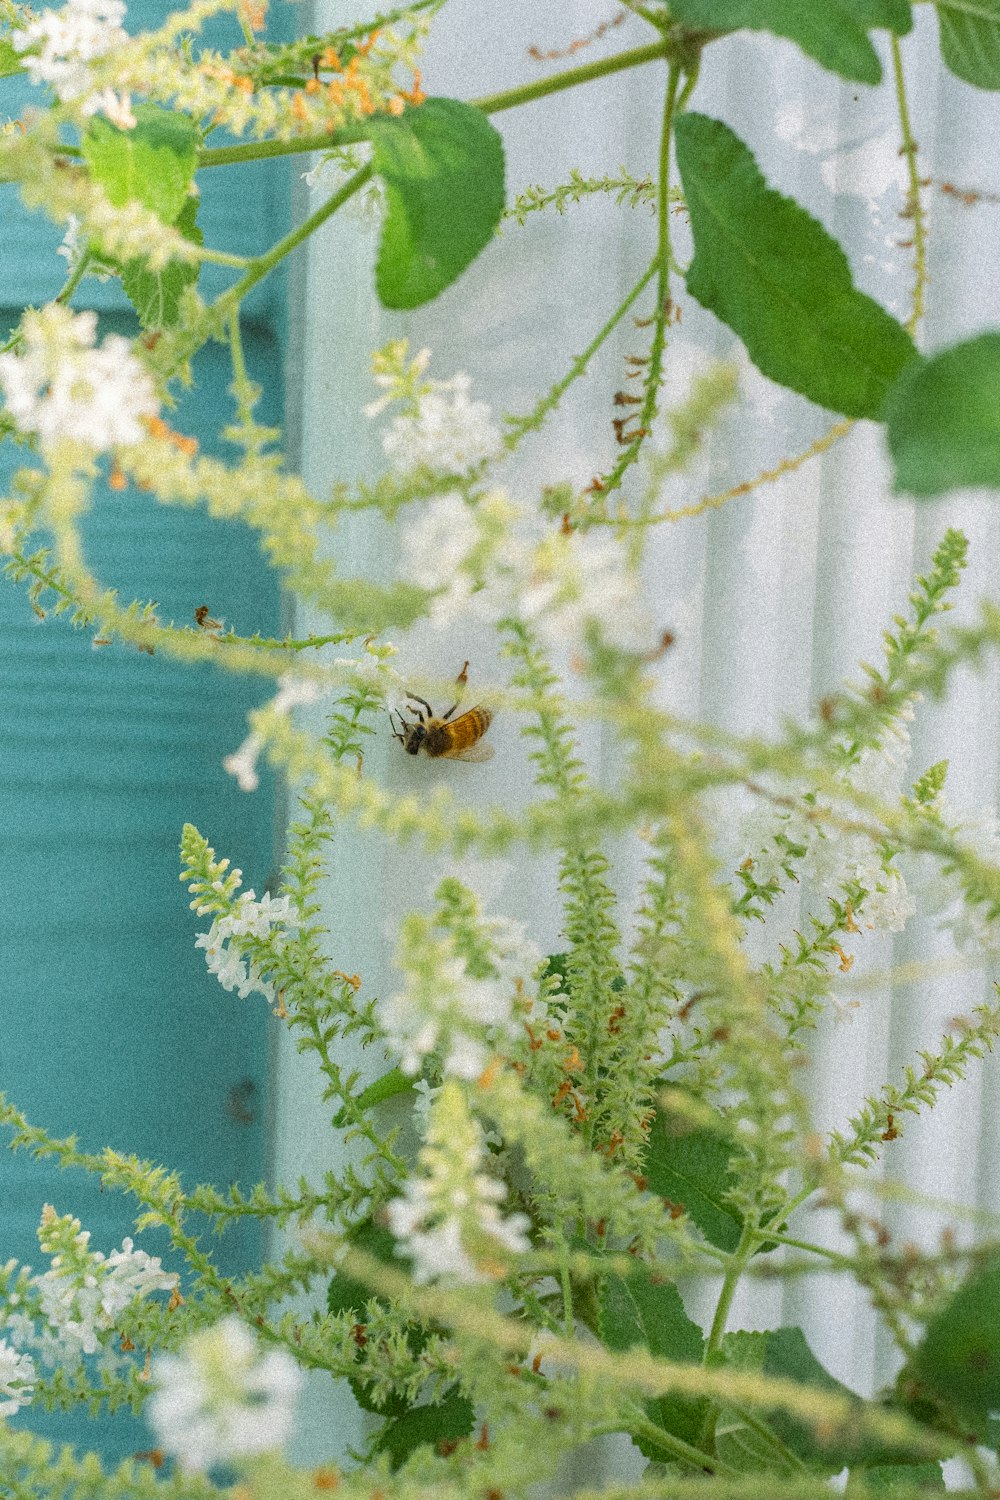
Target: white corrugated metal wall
point(775, 597)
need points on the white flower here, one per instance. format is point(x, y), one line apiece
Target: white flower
point(63, 387)
point(58, 45)
point(17, 1377)
point(81, 1299)
point(436, 544)
point(447, 1220)
point(448, 433)
point(221, 1400)
point(249, 918)
point(424, 1018)
point(577, 581)
point(835, 858)
point(70, 247)
point(293, 692)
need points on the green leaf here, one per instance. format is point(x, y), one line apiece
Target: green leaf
point(646, 1311)
point(958, 1362)
point(443, 168)
point(834, 32)
point(784, 1354)
point(345, 1293)
point(156, 295)
point(943, 419)
point(693, 1169)
point(772, 273)
point(152, 164)
point(893, 1479)
point(444, 1422)
point(970, 40)
point(10, 60)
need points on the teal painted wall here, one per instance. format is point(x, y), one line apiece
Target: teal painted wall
point(112, 1027)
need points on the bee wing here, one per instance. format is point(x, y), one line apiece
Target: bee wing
point(479, 751)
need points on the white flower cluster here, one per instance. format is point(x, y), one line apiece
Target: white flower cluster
point(447, 1221)
point(72, 1308)
point(489, 560)
point(221, 1400)
point(446, 431)
point(17, 1378)
point(58, 45)
point(579, 581)
point(444, 1009)
point(250, 918)
point(835, 857)
point(293, 692)
point(61, 386)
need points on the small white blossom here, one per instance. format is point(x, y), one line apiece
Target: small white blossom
point(438, 541)
point(58, 44)
point(70, 247)
point(293, 692)
point(83, 1294)
point(835, 858)
point(17, 1378)
point(250, 918)
point(448, 432)
point(61, 386)
point(448, 1221)
point(577, 581)
point(221, 1400)
point(427, 1017)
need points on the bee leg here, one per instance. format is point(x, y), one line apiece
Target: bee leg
point(462, 682)
point(412, 697)
point(397, 734)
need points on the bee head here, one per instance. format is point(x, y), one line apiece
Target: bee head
point(415, 736)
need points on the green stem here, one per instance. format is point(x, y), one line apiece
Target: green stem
point(490, 104)
point(749, 1419)
point(744, 1250)
point(527, 93)
point(675, 1447)
point(567, 1293)
point(648, 410)
point(75, 276)
point(663, 195)
point(786, 1239)
point(521, 425)
point(260, 267)
point(914, 205)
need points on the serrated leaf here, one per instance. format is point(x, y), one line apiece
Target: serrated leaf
point(152, 164)
point(784, 1354)
point(834, 32)
point(771, 272)
point(156, 295)
point(692, 1168)
point(641, 1310)
point(958, 1361)
point(444, 1422)
point(970, 40)
point(943, 419)
point(443, 168)
point(10, 60)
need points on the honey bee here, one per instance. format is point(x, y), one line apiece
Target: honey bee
point(441, 735)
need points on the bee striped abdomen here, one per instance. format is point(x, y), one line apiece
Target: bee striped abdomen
point(458, 735)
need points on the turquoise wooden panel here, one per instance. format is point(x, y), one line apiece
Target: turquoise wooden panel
point(112, 1026)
